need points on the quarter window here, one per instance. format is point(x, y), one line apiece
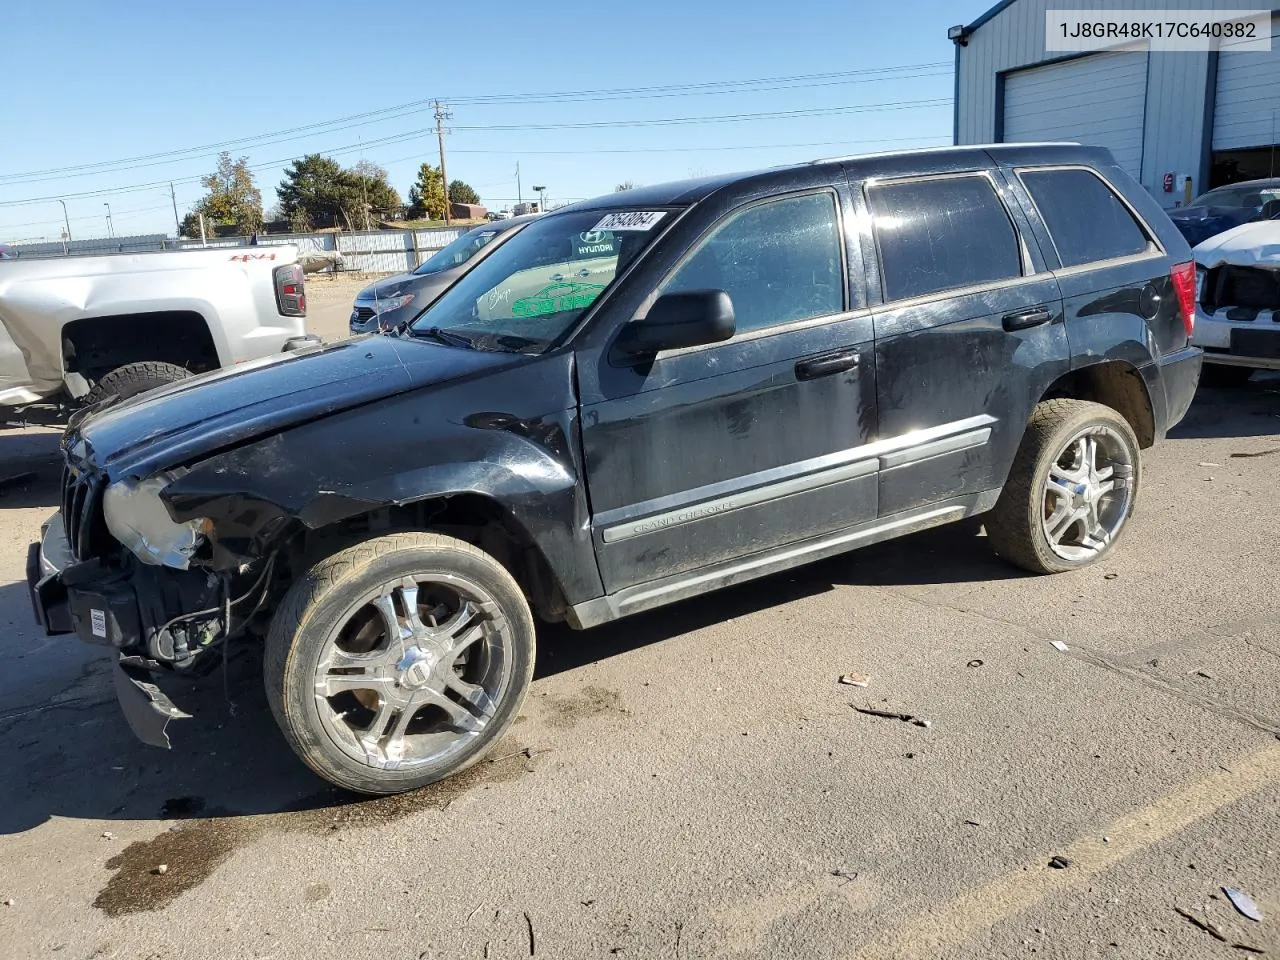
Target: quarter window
point(942, 234)
point(778, 261)
point(1085, 219)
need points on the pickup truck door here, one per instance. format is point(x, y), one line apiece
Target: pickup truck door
point(968, 334)
point(711, 453)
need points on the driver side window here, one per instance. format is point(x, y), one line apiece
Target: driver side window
point(779, 261)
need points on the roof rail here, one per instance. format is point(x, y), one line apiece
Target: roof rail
point(962, 146)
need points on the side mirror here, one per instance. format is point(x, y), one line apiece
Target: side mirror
point(686, 319)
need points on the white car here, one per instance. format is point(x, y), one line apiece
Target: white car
point(1238, 303)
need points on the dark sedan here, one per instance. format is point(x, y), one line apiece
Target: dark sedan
point(1226, 207)
point(394, 301)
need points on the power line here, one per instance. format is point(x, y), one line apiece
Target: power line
point(847, 144)
point(762, 84)
point(765, 86)
point(139, 187)
point(724, 118)
point(602, 124)
point(754, 146)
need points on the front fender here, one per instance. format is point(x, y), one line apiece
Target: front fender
point(521, 451)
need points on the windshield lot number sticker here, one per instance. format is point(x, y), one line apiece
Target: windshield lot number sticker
point(631, 220)
point(98, 621)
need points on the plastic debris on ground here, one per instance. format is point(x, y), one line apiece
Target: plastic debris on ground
point(1243, 903)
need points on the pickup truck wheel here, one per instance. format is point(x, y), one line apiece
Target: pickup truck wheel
point(135, 378)
point(399, 661)
point(1221, 375)
point(1071, 490)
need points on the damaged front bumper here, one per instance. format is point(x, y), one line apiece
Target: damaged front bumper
point(71, 597)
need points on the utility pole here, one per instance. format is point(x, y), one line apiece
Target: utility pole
point(441, 116)
point(65, 219)
point(110, 230)
point(519, 193)
point(177, 224)
point(364, 187)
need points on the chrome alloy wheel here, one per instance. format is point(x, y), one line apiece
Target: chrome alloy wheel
point(1088, 494)
point(413, 672)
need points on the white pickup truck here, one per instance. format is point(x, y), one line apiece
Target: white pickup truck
point(89, 327)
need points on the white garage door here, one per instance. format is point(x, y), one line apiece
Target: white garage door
point(1246, 108)
point(1097, 100)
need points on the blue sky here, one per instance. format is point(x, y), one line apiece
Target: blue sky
point(91, 82)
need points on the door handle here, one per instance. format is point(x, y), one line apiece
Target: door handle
point(1026, 318)
point(828, 363)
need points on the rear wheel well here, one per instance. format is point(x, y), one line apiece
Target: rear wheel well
point(1115, 384)
point(473, 518)
point(94, 346)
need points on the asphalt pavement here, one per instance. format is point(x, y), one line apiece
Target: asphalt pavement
point(695, 782)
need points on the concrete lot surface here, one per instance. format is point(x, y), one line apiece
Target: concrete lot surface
point(329, 303)
point(695, 783)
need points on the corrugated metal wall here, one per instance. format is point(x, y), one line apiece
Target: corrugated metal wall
point(1059, 101)
point(375, 251)
point(1247, 105)
point(1174, 132)
point(145, 243)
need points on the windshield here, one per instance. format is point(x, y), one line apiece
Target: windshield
point(458, 252)
point(1237, 197)
point(532, 289)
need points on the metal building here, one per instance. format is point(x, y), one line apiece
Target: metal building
point(1179, 122)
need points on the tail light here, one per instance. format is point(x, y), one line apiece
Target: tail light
point(291, 297)
point(1183, 276)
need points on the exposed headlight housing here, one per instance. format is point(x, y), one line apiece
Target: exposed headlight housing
point(137, 517)
point(384, 304)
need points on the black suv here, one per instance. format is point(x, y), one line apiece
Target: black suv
point(634, 400)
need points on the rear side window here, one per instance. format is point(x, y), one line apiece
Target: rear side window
point(936, 235)
point(1086, 220)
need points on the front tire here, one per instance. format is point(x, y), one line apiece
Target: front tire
point(1071, 489)
point(399, 661)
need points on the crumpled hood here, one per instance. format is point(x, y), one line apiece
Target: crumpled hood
point(194, 417)
point(388, 286)
point(1248, 245)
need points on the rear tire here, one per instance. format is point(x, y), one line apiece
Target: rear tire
point(1071, 489)
point(135, 378)
point(1224, 377)
point(399, 661)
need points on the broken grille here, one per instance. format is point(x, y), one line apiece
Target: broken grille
point(82, 513)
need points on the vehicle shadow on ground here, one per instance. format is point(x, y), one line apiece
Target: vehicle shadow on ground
point(31, 482)
point(1249, 411)
point(30, 468)
point(955, 553)
point(70, 753)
